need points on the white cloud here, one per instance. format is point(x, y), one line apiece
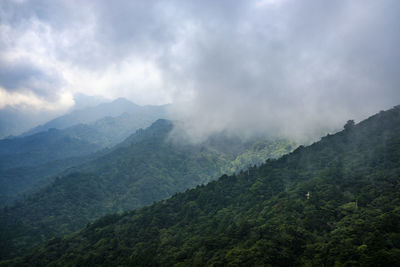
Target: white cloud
point(28, 100)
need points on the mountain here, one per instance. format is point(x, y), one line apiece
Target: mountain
point(55, 140)
point(333, 203)
point(88, 115)
point(148, 166)
point(27, 161)
point(115, 129)
point(17, 120)
point(43, 147)
point(19, 182)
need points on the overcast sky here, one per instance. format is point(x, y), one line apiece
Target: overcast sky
point(244, 65)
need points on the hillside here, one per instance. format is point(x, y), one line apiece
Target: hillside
point(105, 124)
point(334, 203)
point(27, 161)
point(19, 182)
point(146, 167)
point(43, 147)
point(77, 140)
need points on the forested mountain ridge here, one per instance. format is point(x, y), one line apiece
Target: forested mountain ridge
point(25, 160)
point(334, 203)
point(26, 163)
point(146, 167)
point(20, 182)
point(77, 140)
point(43, 147)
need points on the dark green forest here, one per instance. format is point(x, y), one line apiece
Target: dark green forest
point(334, 203)
point(145, 168)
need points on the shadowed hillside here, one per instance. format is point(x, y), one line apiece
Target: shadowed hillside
point(146, 167)
point(334, 203)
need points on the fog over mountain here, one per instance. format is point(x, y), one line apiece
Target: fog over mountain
point(298, 68)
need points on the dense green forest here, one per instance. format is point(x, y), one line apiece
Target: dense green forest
point(28, 163)
point(334, 203)
point(20, 182)
point(146, 167)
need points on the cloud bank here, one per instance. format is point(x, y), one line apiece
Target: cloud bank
point(250, 67)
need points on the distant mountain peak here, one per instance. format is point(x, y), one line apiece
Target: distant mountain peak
point(89, 115)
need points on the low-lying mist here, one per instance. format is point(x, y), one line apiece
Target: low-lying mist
point(290, 69)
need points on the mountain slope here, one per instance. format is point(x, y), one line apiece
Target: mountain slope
point(80, 139)
point(23, 159)
point(147, 167)
point(43, 147)
point(334, 203)
point(19, 182)
point(25, 163)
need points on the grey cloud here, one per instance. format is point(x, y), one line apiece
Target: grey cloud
point(26, 76)
point(13, 76)
point(300, 69)
point(59, 14)
point(296, 67)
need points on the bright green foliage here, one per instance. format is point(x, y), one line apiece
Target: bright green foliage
point(262, 217)
point(143, 169)
point(258, 152)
